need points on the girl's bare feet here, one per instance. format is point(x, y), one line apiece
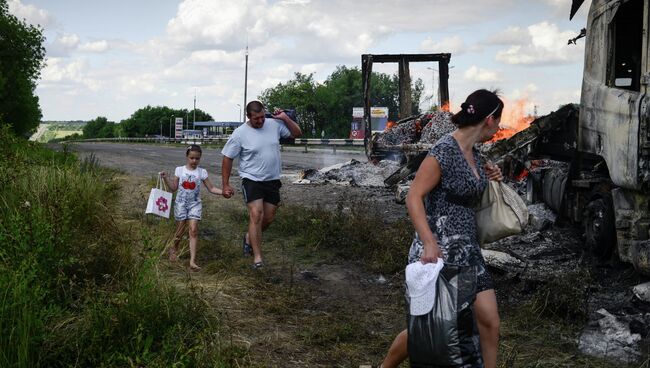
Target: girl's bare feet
point(172, 255)
point(194, 267)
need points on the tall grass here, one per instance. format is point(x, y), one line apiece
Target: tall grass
point(354, 230)
point(75, 291)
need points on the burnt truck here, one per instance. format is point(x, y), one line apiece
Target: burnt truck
point(603, 144)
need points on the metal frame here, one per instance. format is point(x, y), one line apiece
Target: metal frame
point(404, 83)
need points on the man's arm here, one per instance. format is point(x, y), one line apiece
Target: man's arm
point(293, 127)
point(226, 168)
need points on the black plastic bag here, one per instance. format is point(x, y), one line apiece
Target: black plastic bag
point(447, 336)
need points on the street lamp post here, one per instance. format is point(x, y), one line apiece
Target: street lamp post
point(170, 127)
point(433, 86)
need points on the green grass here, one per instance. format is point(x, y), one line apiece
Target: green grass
point(80, 289)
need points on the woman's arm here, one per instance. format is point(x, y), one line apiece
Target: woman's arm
point(427, 178)
point(211, 188)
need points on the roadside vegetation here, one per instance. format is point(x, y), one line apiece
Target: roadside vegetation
point(84, 284)
point(79, 288)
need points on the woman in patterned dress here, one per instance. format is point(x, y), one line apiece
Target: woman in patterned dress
point(440, 202)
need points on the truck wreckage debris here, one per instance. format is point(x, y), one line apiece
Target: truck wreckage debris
point(534, 161)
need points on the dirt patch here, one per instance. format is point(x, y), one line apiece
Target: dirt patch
point(310, 309)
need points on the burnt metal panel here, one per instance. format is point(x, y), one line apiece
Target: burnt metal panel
point(609, 116)
point(403, 59)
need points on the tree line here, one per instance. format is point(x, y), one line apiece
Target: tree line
point(147, 121)
point(319, 107)
point(328, 106)
point(21, 60)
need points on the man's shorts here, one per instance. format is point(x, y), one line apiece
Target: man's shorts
point(268, 191)
point(187, 210)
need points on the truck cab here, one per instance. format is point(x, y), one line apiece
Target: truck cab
point(613, 132)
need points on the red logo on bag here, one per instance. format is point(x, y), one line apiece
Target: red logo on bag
point(189, 185)
point(162, 204)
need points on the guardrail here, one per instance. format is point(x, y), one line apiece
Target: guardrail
point(333, 143)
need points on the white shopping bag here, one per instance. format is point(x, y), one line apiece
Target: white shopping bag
point(160, 201)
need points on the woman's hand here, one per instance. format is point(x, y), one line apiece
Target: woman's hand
point(162, 174)
point(493, 171)
point(431, 253)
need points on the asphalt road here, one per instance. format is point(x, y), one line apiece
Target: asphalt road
point(148, 159)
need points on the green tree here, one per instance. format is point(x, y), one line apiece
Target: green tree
point(99, 128)
point(299, 94)
point(160, 119)
point(328, 106)
point(21, 60)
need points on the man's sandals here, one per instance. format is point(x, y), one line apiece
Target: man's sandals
point(247, 250)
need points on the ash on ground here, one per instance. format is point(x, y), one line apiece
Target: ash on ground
point(353, 172)
point(545, 254)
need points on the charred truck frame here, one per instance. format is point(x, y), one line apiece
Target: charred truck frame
point(603, 145)
point(376, 151)
point(610, 173)
point(606, 140)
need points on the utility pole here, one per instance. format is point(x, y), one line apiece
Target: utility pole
point(245, 82)
point(194, 119)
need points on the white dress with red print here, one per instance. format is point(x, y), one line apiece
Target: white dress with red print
point(188, 200)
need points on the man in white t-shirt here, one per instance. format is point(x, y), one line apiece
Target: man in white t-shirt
point(257, 144)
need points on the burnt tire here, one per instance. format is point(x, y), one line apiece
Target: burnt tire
point(600, 231)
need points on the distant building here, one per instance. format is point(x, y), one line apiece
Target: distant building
point(213, 128)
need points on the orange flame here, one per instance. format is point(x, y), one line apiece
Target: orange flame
point(445, 106)
point(513, 120)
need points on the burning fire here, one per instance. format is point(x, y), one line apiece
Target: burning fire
point(513, 119)
point(445, 107)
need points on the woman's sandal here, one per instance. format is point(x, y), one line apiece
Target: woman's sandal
point(258, 265)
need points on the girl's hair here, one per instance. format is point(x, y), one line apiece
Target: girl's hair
point(193, 148)
point(479, 105)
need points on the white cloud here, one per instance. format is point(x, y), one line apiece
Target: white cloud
point(95, 46)
point(477, 74)
point(316, 30)
point(72, 74)
point(548, 45)
point(215, 57)
point(454, 45)
point(510, 36)
point(30, 13)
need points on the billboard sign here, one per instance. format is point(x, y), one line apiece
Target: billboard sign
point(179, 128)
point(378, 120)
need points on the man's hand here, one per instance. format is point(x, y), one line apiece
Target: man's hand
point(280, 114)
point(227, 191)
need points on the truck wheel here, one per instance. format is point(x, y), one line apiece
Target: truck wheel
point(600, 231)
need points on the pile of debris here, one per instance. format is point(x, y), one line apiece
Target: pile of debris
point(423, 129)
point(352, 173)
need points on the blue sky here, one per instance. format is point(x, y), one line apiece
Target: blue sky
point(109, 58)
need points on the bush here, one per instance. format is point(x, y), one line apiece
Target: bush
point(75, 292)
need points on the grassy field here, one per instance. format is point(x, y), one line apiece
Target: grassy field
point(79, 286)
point(48, 132)
point(86, 282)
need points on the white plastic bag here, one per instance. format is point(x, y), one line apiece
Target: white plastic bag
point(160, 201)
